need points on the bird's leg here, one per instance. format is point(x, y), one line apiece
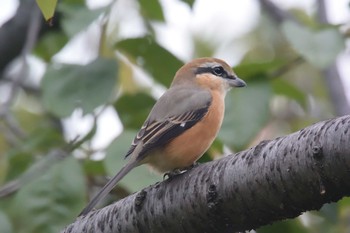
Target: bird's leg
point(179, 171)
point(172, 173)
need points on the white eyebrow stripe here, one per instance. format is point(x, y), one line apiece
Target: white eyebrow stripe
point(210, 64)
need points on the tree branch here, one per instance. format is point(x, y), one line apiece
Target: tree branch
point(274, 180)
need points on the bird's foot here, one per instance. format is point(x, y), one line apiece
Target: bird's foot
point(172, 173)
point(179, 171)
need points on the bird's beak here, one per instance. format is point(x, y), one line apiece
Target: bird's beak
point(234, 81)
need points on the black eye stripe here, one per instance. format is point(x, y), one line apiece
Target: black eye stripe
point(216, 70)
point(203, 70)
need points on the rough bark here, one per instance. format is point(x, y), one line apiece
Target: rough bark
point(274, 180)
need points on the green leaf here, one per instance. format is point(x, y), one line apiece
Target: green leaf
point(343, 213)
point(19, 161)
point(151, 9)
point(330, 212)
point(320, 48)
point(93, 167)
point(344, 202)
point(50, 44)
point(22, 157)
point(203, 47)
point(326, 220)
point(139, 177)
point(247, 111)
point(158, 61)
point(5, 224)
point(4, 165)
point(134, 109)
point(42, 135)
point(47, 7)
point(78, 17)
point(52, 201)
point(282, 87)
point(257, 71)
point(74, 86)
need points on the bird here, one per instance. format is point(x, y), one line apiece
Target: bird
point(182, 124)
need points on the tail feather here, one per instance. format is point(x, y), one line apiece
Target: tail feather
point(109, 186)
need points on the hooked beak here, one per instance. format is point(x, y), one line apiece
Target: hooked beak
point(234, 81)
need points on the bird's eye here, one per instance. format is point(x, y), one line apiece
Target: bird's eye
point(219, 71)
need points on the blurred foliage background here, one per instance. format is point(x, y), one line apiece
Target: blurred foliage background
point(75, 89)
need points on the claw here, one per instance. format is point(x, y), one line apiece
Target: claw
point(172, 173)
point(179, 171)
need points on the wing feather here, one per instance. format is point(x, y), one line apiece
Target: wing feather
point(158, 131)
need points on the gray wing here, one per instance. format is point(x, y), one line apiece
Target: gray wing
point(172, 115)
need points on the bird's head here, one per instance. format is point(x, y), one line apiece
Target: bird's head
point(210, 73)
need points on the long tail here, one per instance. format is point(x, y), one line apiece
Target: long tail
point(109, 186)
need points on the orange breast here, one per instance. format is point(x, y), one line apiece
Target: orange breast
point(187, 148)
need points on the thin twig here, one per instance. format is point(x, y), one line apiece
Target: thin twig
point(38, 169)
point(11, 139)
point(287, 67)
point(34, 172)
